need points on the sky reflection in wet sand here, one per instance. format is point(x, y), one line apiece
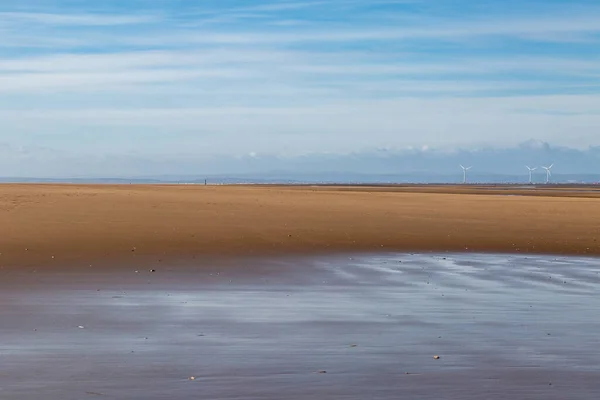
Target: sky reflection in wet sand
point(503, 326)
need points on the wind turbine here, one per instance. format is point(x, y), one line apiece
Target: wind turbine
point(530, 171)
point(548, 173)
point(465, 169)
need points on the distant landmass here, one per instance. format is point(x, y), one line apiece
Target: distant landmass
point(322, 178)
point(384, 165)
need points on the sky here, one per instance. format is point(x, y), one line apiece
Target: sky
point(85, 82)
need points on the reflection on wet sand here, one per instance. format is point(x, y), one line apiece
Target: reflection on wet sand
point(338, 327)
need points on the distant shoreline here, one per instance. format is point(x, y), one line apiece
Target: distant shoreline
point(75, 226)
point(120, 182)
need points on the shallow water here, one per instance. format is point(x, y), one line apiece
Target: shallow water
point(503, 327)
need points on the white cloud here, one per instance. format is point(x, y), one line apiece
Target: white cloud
point(14, 18)
point(38, 83)
point(247, 70)
point(173, 31)
point(145, 59)
point(298, 5)
point(546, 28)
point(284, 5)
point(340, 127)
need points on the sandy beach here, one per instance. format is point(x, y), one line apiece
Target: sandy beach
point(74, 225)
point(250, 292)
point(77, 225)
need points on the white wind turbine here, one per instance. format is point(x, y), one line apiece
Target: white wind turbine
point(465, 169)
point(530, 171)
point(548, 173)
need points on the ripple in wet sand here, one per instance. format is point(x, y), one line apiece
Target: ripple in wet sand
point(502, 326)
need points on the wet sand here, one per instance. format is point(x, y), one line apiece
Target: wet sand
point(75, 226)
point(504, 327)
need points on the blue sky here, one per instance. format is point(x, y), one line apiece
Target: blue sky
point(169, 79)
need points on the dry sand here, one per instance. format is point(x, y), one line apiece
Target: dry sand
point(79, 225)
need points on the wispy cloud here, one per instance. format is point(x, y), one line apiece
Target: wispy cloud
point(282, 6)
point(15, 18)
point(297, 75)
point(176, 31)
point(279, 6)
point(40, 83)
point(340, 70)
point(549, 29)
